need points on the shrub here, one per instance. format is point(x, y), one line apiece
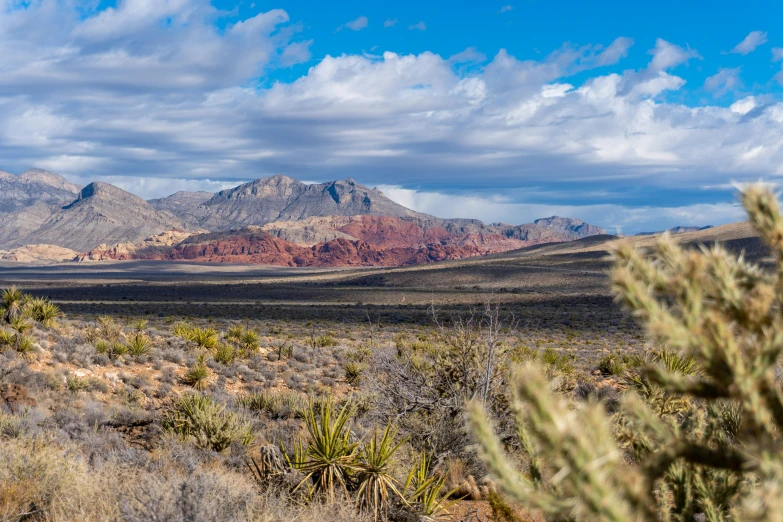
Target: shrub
point(207, 423)
point(139, 344)
point(198, 375)
point(225, 354)
point(715, 457)
point(203, 337)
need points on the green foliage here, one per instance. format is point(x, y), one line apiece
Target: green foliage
point(203, 337)
point(198, 375)
point(331, 455)
point(353, 371)
point(249, 341)
point(6, 339)
point(42, 311)
point(225, 354)
point(75, 384)
point(375, 475)
point(611, 365)
point(424, 491)
point(107, 328)
point(698, 434)
point(206, 422)
point(139, 345)
point(275, 404)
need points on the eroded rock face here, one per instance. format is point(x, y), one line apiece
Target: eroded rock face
point(35, 253)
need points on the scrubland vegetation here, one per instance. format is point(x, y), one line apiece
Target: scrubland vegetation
point(473, 416)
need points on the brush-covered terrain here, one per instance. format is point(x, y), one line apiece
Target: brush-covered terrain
point(144, 391)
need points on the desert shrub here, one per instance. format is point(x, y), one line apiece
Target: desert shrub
point(76, 383)
point(206, 338)
point(198, 375)
point(275, 404)
point(206, 422)
point(714, 455)
point(324, 341)
point(139, 345)
point(225, 354)
point(611, 365)
point(42, 311)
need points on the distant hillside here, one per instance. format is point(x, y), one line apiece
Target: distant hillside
point(327, 224)
point(33, 187)
point(102, 213)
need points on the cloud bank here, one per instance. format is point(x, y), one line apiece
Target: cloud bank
point(152, 90)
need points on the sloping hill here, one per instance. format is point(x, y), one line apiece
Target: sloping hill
point(102, 213)
point(34, 186)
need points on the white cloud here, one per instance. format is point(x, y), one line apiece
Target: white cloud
point(667, 55)
point(179, 100)
point(724, 81)
point(750, 43)
point(419, 26)
point(390, 22)
point(505, 9)
point(355, 25)
point(296, 52)
point(613, 217)
point(469, 55)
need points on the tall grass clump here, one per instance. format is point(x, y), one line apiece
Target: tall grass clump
point(715, 452)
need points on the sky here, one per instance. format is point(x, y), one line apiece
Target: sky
point(628, 115)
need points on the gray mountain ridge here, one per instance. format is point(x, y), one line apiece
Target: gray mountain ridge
point(49, 209)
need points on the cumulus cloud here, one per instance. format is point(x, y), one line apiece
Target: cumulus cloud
point(419, 26)
point(179, 100)
point(390, 22)
point(750, 43)
point(724, 81)
point(355, 25)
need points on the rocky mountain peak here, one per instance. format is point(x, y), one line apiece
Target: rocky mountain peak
point(47, 178)
point(106, 192)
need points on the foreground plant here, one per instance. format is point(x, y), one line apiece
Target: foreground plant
point(331, 455)
point(718, 454)
point(376, 482)
point(206, 422)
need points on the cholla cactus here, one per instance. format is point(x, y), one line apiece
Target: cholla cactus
point(719, 456)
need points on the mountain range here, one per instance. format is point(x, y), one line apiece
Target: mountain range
point(274, 220)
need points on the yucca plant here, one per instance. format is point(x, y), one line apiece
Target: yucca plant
point(140, 325)
point(249, 341)
point(181, 330)
point(423, 491)
point(197, 375)
point(42, 311)
point(6, 339)
point(23, 345)
point(206, 422)
point(225, 354)
point(206, 338)
point(374, 475)
point(139, 345)
point(331, 455)
point(108, 328)
point(719, 456)
point(234, 333)
point(118, 349)
point(19, 324)
point(11, 301)
point(102, 347)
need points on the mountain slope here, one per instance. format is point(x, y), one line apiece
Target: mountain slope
point(180, 202)
point(34, 186)
point(102, 213)
point(281, 198)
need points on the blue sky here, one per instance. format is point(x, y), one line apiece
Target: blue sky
point(626, 115)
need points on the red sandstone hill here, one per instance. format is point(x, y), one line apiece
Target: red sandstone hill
point(328, 241)
point(258, 247)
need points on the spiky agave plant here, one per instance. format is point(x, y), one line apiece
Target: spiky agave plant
point(719, 457)
point(42, 311)
point(206, 422)
point(206, 338)
point(375, 474)
point(139, 344)
point(197, 375)
point(12, 298)
point(331, 455)
point(19, 324)
point(424, 493)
